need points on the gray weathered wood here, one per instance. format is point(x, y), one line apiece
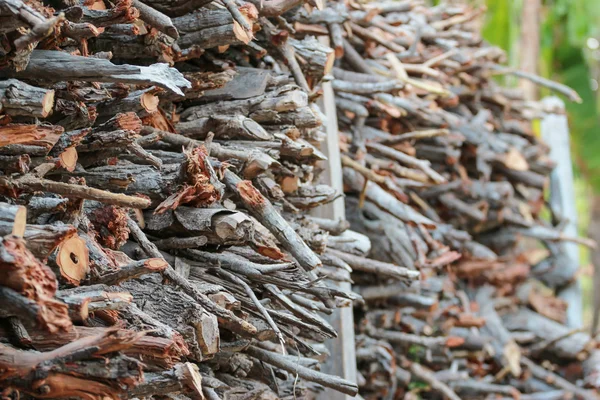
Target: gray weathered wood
point(342, 361)
point(60, 66)
point(555, 130)
point(247, 83)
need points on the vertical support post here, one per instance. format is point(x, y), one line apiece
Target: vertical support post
point(332, 174)
point(555, 131)
point(342, 361)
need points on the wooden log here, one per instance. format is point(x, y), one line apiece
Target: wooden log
point(32, 183)
point(41, 240)
point(176, 8)
point(210, 28)
point(19, 98)
point(71, 260)
point(51, 316)
point(507, 350)
point(283, 99)
point(274, 8)
point(223, 127)
point(13, 219)
point(377, 267)
point(132, 271)
point(72, 379)
point(51, 65)
point(262, 209)
point(427, 375)
point(183, 378)
point(323, 379)
point(156, 19)
point(228, 319)
point(154, 350)
point(122, 12)
point(573, 347)
point(316, 60)
point(141, 102)
point(35, 135)
point(30, 286)
point(198, 328)
point(219, 226)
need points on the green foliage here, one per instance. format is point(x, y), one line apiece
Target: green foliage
point(415, 352)
point(583, 120)
point(565, 27)
point(417, 385)
point(498, 23)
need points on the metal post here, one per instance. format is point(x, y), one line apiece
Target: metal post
point(555, 131)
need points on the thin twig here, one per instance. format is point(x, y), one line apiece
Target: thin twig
point(237, 280)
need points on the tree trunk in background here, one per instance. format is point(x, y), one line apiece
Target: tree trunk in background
point(530, 45)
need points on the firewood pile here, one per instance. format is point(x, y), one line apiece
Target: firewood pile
point(160, 163)
point(444, 174)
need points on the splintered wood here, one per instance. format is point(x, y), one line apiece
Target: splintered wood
point(160, 160)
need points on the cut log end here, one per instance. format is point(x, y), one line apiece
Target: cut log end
point(331, 60)
point(454, 341)
point(156, 264)
point(81, 312)
point(290, 184)
point(47, 103)
point(68, 159)
point(256, 130)
point(20, 222)
point(207, 330)
point(241, 34)
point(159, 121)
point(193, 380)
point(73, 259)
point(97, 5)
point(149, 102)
point(515, 160)
point(338, 52)
point(271, 252)
point(139, 217)
point(130, 121)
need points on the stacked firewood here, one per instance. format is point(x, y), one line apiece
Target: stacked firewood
point(445, 176)
point(160, 161)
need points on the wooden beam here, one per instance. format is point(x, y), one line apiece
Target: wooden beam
point(555, 131)
point(342, 361)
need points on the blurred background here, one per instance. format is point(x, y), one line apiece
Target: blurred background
point(560, 40)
